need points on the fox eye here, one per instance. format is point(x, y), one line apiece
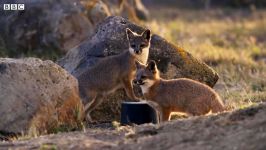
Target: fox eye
point(133, 45)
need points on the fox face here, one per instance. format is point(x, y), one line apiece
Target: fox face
point(138, 43)
point(146, 75)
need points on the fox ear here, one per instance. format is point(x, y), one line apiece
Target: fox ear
point(152, 66)
point(138, 65)
point(146, 34)
point(130, 33)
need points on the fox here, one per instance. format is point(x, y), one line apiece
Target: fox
point(176, 95)
point(114, 72)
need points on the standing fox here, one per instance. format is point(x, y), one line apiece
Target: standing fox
point(114, 72)
point(176, 95)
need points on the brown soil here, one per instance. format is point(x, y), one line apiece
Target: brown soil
point(241, 129)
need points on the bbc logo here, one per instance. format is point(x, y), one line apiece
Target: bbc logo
point(14, 6)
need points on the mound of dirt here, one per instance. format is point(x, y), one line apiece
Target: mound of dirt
point(239, 130)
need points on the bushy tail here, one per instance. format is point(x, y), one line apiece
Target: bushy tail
point(217, 104)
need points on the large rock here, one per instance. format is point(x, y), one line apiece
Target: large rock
point(95, 10)
point(132, 9)
point(49, 28)
point(37, 97)
point(45, 27)
point(110, 39)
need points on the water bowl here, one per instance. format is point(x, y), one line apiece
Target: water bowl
point(137, 113)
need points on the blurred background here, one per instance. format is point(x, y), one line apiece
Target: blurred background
point(228, 35)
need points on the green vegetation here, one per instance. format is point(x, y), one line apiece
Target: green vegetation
point(46, 54)
point(48, 147)
point(231, 41)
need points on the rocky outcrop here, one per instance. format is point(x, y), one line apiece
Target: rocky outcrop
point(239, 130)
point(95, 10)
point(46, 27)
point(110, 39)
point(132, 9)
point(37, 97)
point(49, 28)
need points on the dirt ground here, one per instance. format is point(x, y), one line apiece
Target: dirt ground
point(243, 129)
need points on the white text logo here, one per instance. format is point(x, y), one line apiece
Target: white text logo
point(14, 6)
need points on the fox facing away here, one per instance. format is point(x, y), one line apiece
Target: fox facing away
point(114, 72)
point(176, 95)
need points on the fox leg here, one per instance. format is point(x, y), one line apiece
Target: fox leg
point(96, 101)
point(87, 98)
point(129, 89)
point(166, 114)
point(87, 112)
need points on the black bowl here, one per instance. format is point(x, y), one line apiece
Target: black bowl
point(137, 113)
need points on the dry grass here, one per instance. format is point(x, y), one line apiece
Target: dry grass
point(233, 42)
